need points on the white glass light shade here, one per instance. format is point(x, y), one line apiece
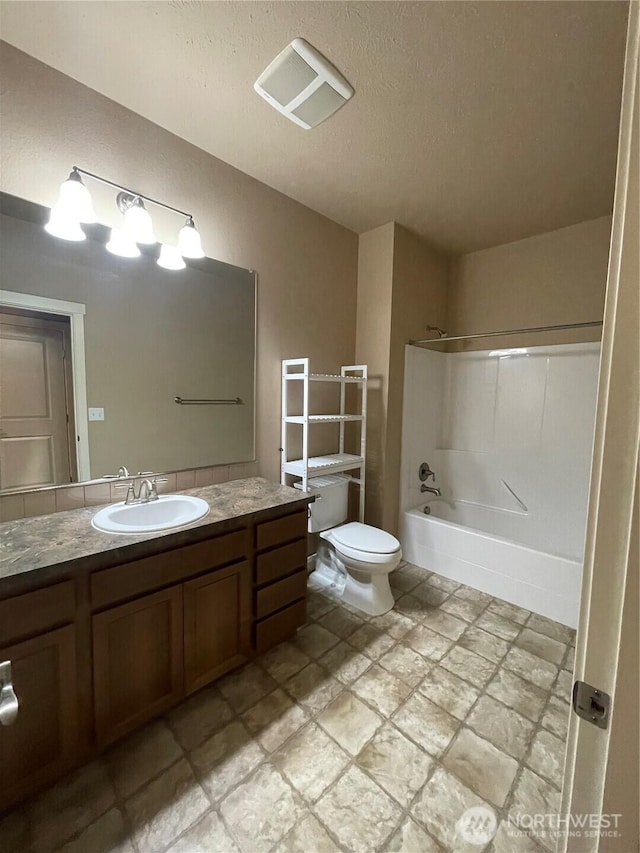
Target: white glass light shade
point(170, 258)
point(64, 225)
point(189, 243)
point(138, 224)
point(75, 198)
point(121, 244)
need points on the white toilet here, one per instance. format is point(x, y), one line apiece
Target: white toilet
point(361, 557)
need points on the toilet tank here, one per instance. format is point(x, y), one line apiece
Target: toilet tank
point(330, 507)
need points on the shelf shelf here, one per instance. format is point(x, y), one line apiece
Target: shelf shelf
point(333, 462)
point(322, 419)
point(327, 377)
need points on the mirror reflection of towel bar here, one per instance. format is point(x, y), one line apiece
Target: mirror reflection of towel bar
point(235, 401)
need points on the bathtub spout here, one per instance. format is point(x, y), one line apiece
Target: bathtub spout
point(433, 490)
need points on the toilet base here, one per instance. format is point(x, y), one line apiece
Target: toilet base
point(369, 593)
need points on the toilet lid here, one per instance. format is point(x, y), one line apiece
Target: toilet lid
point(363, 537)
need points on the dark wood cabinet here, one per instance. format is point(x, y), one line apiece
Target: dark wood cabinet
point(217, 624)
point(137, 662)
point(42, 742)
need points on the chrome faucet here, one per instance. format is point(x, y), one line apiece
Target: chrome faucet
point(123, 472)
point(433, 490)
point(147, 491)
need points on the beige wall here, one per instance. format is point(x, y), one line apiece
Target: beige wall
point(402, 287)
point(306, 264)
point(553, 278)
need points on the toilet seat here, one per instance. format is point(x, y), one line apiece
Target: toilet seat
point(365, 538)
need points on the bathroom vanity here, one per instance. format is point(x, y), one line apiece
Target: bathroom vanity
point(105, 632)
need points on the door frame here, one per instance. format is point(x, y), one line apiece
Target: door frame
point(75, 311)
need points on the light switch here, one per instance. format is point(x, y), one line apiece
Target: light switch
point(96, 414)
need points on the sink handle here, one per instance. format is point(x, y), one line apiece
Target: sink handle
point(9, 704)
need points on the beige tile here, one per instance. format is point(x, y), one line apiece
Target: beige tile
point(261, 810)
point(426, 724)
point(484, 644)
point(314, 640)
point(509, 611)
point(185, 480)
point(534, 669)
point(71, 498)
point(564, 684)
point(311, 761)
point(39, 503)
point(551, 629)
point(439, 807)
point(445, 584)
point(449, 692)
point(430, 596)
point(108, 834)
point(208, 835)
point(410, 608)
point(445, 624)
point(358, 812)
point(546, 757)
point(11, 507)
point(468, 665)
point(468, 593)
point(534, 796)
point(204, 477)
point(411, 838)
point(371, 641)
point(556, 717)
point(199, 717)
point(308, 837)
point(70, 806)
point(541, 645)
point(485, 769)
point(467, 610)
point(226, 758)
point(504, 727)
point(513, 839)
point(313, 687)
point(380, 689)
point(221, 474)
point(162, 810)
point(344, 662)
point(274, 719)
point(498, 625)
point(283, 661)
point(394, 623)
point(349, 722)
point(569, 661)
point(427, 643)
point(341, 623)
point(396, 764)
point(406, 664)
point(318, 606)
point(99, 493)
point(167, 484)
point(241, 470)
point(244, 688)
point(403, 581)
point(517, 693)
point(142, 756)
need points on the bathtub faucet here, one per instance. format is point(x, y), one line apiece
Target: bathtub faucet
point(433, 490)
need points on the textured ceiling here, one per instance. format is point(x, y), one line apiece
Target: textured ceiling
point(473, 123)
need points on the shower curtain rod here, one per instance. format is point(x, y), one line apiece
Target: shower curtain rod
point(445, 339)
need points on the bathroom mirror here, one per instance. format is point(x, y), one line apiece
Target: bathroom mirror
point(95, 349)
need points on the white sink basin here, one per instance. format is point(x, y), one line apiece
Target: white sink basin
point(167, 512)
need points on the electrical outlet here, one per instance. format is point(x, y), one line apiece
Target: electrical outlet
point(96, 414)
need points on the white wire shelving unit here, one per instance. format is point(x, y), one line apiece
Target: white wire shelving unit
point(297, 370)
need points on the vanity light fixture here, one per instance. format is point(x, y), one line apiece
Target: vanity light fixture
point(74, 206)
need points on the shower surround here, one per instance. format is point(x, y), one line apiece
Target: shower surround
point(509, 434)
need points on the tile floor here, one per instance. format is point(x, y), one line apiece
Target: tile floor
point(360, 735)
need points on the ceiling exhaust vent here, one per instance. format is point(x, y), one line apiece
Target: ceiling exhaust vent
point(302, 85)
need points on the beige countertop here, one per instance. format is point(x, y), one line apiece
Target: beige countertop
point(66, 540)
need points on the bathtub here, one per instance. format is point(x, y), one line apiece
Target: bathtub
point(485, 549)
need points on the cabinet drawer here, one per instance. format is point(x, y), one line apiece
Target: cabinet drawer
point(121, 582)
point(279, 627)
point(283, 561)
point(271, 533)
point(279, 594)
point(35, 612)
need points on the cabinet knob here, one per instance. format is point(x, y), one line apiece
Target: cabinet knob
point(8, 699)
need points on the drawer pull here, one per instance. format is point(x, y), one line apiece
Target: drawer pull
point(8, 699)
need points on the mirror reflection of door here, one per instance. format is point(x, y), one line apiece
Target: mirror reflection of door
point(37, 433)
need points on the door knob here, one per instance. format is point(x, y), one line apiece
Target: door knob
point(8, 700)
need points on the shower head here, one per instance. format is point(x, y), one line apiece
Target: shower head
point(441, 332)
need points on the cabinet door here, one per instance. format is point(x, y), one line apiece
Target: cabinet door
point(41, 744)
point(137, 662)
point(217, 624)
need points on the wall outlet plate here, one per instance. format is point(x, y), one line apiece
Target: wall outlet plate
point(96, 414)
